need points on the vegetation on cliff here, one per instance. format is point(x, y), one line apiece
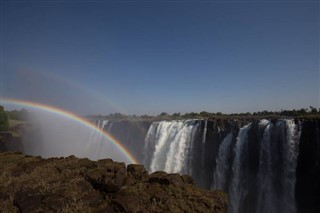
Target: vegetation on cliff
point(303, 113)
point(33, 184)
point(19, 115)
point(4, 121)
point(12, 125)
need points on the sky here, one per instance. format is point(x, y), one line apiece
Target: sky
point(148, 57)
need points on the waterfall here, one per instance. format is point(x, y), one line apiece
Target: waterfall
point(101, 124)
point(205, 132)
point(96, 140)
point(171, 141)
point(109, 128)
point(204, 137)
point(193, 140)
point(290, 163)
point(237, 191)
point(149, 147)
point(220, 174)
point(179, 148)
point(256, 167)
point(266, 193)
point(280, 186)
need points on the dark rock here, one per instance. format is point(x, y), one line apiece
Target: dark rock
point(126, 203)
point(187, 179)
point(29, 200)
point(54, 202)
point(158, 177)
point(104, 182)
point(308, 169)
point(137, 172)
point(92, 198)
point(10, 143)
point(166, 179)
point(33, 184)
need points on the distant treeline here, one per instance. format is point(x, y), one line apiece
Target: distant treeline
point(310, 112)
point(5, 116)
point(20, 115)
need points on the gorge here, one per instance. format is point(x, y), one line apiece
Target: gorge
point(263, 165)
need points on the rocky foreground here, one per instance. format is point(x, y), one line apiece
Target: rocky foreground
point(34, 184)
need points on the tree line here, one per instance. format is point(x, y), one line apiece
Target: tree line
point(5, 116)
point(311, 112)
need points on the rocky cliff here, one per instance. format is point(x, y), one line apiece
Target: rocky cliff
point(8, 142)
point(34, 184)
point(283, 154)
point(308, 168)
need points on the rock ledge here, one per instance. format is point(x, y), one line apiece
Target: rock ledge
point(34, 184)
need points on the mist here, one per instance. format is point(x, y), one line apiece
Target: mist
point(54, 135)
point(66, 93)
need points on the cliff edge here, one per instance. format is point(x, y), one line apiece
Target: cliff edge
point(34, 184)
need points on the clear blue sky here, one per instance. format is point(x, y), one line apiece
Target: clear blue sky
point(148, 57)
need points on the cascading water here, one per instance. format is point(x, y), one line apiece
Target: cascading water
point(171, 141)
point(204, 137)
point(96, 140)
point(101, 123)
point(191, 154)
point(290, 163)
point(179, 150)
point(220, 174)
point(172, 146)
point(255, 164)
point(266, 193)
point(237, 190)
point(205, 132)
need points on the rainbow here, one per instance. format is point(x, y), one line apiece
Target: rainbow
point(76, 118)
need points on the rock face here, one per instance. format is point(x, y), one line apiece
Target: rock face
point(10, 143)
point(308, 168)
point(34, 184)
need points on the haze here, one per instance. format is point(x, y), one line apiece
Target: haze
point(55, 136)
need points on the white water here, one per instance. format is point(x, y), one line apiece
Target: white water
point(204, 137)
point(205, 132)
point(267, 195)
point(291, 155)
point(266, 192)
point(96, 140)
point(172, 141)
point(220, 174)
point(173, 146)
point(237, 190)
point(102, 123)
point(193, 140)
